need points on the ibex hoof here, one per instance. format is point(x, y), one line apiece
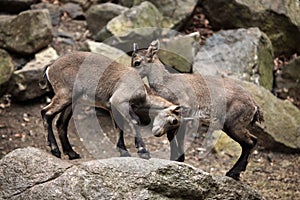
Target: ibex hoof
point(56, 152)
point(235, 176)
point(124, 153)
point(73, 155)
point(143, 153)
point(181, 158)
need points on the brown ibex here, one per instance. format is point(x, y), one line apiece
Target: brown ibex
point(216, 101)
point(100, 82)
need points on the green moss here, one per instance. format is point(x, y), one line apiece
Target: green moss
point(6, 66)
point(265, 57)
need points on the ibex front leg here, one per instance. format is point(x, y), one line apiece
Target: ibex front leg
point(122, 113)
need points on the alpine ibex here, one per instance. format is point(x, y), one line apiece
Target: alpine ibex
point(100, 82)
point(214, 101)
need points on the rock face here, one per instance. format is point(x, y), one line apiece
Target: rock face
point(97, 16)
point(281, 129)
point(243, 53)
point(36, 174)
point(26, 33)
point(179, 52)
point(110, 52)
point(6, 69)
point(175, 12)
point(132, 26)
point(24, 84)
point(55, 11)
point(225, 144)
point(288, 81)
point(279, 19)
point(73, 10)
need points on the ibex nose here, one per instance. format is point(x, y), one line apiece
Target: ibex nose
point(157, 131)
point(174, 121)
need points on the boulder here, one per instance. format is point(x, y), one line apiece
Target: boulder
point(24, 84)
point(288, 81)
point(175, 12)
point(33, 173)
point(15, 6)
point(140, 24)
point(85, 4)
point(74, 10)
point(110, 52)
point(243, 53)
point(179, 52)
point(281, 129)
point(225, 145)
point(26, 33)
point(55, 11)
point(279, 19)
point(97, 16)
point(6, 69)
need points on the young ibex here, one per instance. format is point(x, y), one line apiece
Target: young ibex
point(219, 102)
point(100, 82)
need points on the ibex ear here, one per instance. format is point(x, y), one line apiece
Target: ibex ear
point(153, 48)
point(175, 109)
point(135, 48)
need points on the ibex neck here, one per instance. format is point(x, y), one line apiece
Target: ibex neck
point(157, 74)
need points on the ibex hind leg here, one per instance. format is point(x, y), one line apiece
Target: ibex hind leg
point(48, 113)
point(62, 128)
point(247, 142)
point(121, 145)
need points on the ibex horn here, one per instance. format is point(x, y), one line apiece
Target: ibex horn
point(135, 47)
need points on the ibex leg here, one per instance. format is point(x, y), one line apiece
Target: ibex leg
point(62, 127)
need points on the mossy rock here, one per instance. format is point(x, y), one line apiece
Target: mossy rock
point(6, 69)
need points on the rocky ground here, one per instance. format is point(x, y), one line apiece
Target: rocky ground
point(275, 175)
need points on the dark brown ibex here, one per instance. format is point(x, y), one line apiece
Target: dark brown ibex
point(214, 101)
point(100, 82)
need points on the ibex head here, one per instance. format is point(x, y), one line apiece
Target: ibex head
point(166, 120)
point(141, 58)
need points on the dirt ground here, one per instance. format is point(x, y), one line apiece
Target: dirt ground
point(274, 175)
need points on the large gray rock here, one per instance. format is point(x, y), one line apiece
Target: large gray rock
point(132, 26)
point(85, 4)
point(55, 11)
point(279, 19)
point(243, 53)
point(288, 81)
point(33, 173)
point(281, 129)
point(26, 33)
point(110, 52)
point(15, 6)
point(74, 10)
point(175, 12)
point(6, 69)
point(225, 145)
point(24, 84)
point(97, 16)
point(179, 52)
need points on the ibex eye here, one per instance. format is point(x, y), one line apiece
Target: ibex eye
point(137, 63)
